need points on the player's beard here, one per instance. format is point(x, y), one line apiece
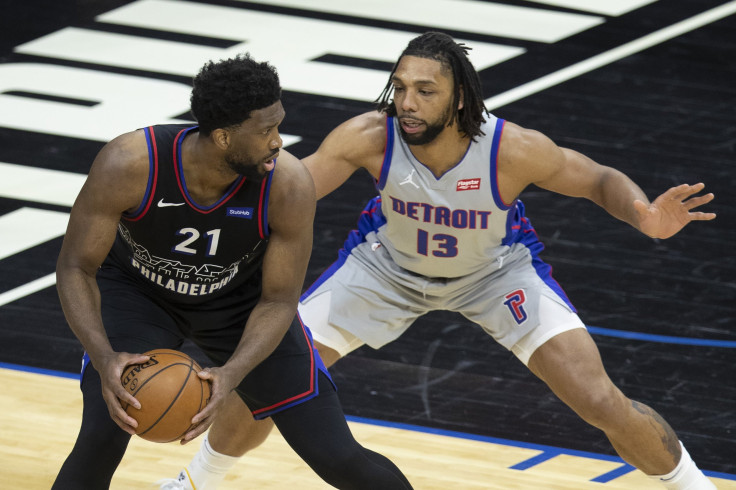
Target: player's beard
point(248, 169)
point(431, 131)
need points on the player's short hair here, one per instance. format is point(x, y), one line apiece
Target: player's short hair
point(225, 92)
point(453, 56)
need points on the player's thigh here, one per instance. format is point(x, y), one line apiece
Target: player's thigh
point(552, 319)
point(570, 364)
point(133, 321)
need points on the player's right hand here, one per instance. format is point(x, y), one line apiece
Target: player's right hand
point(111, 369)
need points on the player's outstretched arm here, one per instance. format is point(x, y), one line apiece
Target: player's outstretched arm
point(529, 157)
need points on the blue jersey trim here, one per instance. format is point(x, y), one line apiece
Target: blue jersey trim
point(152, 157)
point(179, 163)
point(266, 192)
point(497, 132)
point(387, 154)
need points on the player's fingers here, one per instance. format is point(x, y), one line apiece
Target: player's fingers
point(694, 202)
point(206, 373)
point(126, 422)
point(682, 192)
point(137, 359)
point(197, 430)
point(698, 216)
point(119, 415)
point(123, 401)
point(207, 412)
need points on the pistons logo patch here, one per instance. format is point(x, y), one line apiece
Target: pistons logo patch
point(468, 184)
point(515, 302)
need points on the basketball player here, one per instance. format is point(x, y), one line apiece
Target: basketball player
point(449, 233)
point(204, 232)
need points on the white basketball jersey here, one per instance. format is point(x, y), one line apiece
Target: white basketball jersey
point(449, 226)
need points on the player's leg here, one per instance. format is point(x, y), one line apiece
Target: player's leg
point(319, 434)
point(235, 432)
point(134, 324)
point(570, 364)
point(100, 444)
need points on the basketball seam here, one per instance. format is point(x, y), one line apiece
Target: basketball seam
point(178, 395)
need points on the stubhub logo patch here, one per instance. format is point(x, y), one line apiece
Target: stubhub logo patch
point(240, 213)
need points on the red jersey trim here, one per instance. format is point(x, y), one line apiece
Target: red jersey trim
point(179, 171)
point(152, 177)
point(312, 379)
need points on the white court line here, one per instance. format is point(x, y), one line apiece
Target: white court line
point(612, 55)
point(27, 289)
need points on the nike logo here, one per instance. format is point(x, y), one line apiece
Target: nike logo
point(163, 204)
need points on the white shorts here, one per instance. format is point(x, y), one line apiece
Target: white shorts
point(370, 300)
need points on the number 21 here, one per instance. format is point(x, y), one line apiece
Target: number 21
point(191, 236)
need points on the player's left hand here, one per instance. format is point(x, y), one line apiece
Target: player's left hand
point(671, 211)
point(223, 382)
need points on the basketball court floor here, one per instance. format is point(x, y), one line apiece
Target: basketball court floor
point(646, 86)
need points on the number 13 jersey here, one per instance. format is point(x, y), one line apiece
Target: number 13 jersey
point(449, 226)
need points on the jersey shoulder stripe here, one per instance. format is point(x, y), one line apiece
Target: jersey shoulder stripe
point(152, 177)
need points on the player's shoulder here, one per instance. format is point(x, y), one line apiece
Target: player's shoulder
point(518, 142)
point(364, 128)
point(119, 174)
point(292, 189)
point(291, 174)
point(359, 140)
point(125, 152)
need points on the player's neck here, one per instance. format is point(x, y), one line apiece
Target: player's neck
point(443, 153)
point(206, 174)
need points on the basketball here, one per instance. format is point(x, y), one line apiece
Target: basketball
point(170, 394)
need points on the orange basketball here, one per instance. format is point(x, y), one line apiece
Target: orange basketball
point(170, 394)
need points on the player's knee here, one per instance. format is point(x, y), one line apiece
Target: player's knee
point(342, 468)
point(603, 408)
point(101, 434)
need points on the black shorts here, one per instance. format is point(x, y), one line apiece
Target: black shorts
point(136, 322)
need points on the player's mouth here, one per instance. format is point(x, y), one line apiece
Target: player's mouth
point(411, 126)
point(269, 162)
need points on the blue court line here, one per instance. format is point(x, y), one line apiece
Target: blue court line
point(49, 372)
point(622, 470)
point(547, 452)
point(665, 339)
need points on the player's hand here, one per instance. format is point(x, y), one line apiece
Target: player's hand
point(223, 382)
point(111, 369)
point(671, 211)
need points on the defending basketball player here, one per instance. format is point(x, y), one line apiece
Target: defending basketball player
point(204, 232)
point(448, 232)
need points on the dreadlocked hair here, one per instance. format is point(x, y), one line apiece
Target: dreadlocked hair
point(226, 92)
point(453, 56)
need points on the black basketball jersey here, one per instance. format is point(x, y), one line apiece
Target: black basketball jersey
point(184, 252)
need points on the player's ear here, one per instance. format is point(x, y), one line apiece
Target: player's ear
point(461, 99)
point(221, 138)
